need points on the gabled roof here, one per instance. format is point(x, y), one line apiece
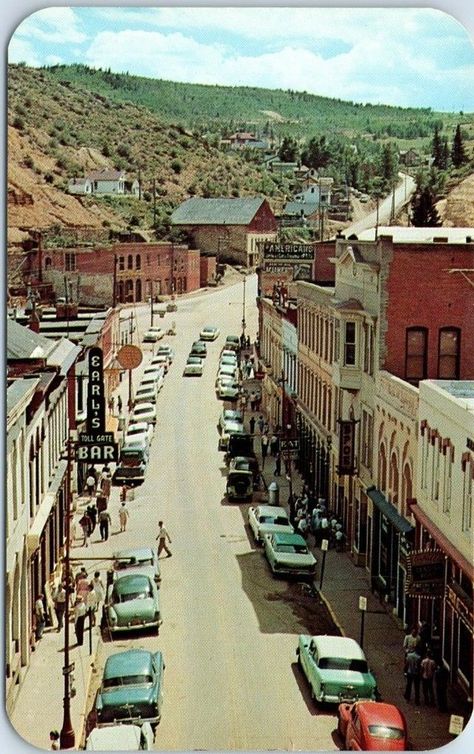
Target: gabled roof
point(298, 208)
point(78, 181)
point(106, 175)
point(198, 211)
point(23, 343)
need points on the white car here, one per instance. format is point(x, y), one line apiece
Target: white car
point(227, 389)
point(144, 412)
point(166, 349)
point(266, 519)
point(230, 414)
point(227, 371)
point(155, 371)
point(139, 428)
point(228, 361)
point(228, 352)
point(153, 381)
point(230, 427)
point(153, 334)
point(209, 332)
point(121, 737)
point(193, 367)
point(161, 360)
point(145, 394)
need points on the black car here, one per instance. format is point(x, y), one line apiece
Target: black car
point(198, 348)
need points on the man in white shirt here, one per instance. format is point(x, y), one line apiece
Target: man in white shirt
point(39, 617)
point(162, 537)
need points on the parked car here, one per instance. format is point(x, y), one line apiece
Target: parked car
point(144, 412)
point(288, 555)
point(145, 394)
point(137, 560)
point(121, 737)
point(136, 446)
point(267, 519)
point(132, 688)
point(199, 348)
point(153, 334)
point(230, 414)
point(239, 444)
point(139, 428)
point(239, 485)
point(228, 352)
point(227, 389)
point(154, 370)
point(232, 343)
point(161, 360)
point(227, 370)
point(372, 726)
point(193, 367)
point(165, 348)
point(209, 332)
point(133, 462)
point(336, 669)
point(246, 463)
point(230, 427)
point(152, 380)
point(132, 603)
point(227, 360)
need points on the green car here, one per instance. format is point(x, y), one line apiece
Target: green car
point(132, 688)
point(133, 602)
point(288, 555)
point(336, 669)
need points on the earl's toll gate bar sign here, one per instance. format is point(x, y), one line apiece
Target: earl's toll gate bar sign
point(96, 445)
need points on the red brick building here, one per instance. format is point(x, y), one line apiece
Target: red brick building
point(125, 272)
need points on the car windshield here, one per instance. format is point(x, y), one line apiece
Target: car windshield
point(132, 561)
point(385, 731)
point(343, 663)
point(298, 549)
point(127, 680)
point(143, 594)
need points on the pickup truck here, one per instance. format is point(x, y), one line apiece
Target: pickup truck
point(132, 466)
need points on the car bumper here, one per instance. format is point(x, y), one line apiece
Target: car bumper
point(135, 626)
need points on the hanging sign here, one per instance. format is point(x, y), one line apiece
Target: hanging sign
point(346, 447)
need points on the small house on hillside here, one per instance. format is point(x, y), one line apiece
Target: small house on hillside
point(409, 157)
point(104, 182)
point(242, 139)
point(81, 186)
point(319, 192)
point(300, 214)
point(232, 229)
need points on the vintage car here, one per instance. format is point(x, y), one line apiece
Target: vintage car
point(230, 414)
point(193, 366)
point(209, 332)
point(239, 485)
point(228, 359)
point(131, 689)
point(145, 394)
point(245, 463)
point(144, 412)
point(153, 334)
point(199, 348)
point(336, 669)
point(165, 348)
point(372, 726)
point(229, 428)
point(227, 389)
point(161, 360)
point(137, 560)
point(121, 737)
point(232, 343)
point(132, 603)
point(226, 370)
point(139, 428)
point(288, 555)
point(267, 519)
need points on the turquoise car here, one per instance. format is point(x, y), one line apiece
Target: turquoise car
point(288, 555)
point(133, 602)
point(336, 669)
point(131, 689)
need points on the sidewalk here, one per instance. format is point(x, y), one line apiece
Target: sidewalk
point(342, 586)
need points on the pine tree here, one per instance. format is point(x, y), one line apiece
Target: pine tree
point(288, 151)
point(437, 149)
point(458, 153)
point(424, 213)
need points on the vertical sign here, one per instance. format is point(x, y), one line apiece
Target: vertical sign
point(95, 392)
point(346, 447)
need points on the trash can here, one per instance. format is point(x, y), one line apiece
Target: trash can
point(273, 494)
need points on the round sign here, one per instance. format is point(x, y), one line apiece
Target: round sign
point(129, 357)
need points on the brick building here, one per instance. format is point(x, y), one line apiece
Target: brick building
point(231, 229)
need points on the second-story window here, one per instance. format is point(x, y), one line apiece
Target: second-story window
point(138, 262)
point(130, 262)
point(70, 261)
point(415, 357)
point(368, 348)
point(350, 344)
point(121, 263)
point(448, 353)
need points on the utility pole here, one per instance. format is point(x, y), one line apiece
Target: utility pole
point(67, 736)
point(114, 283)
point(151, 303)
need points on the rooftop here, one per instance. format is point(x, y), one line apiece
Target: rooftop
point(402, 234)
point(198, 211)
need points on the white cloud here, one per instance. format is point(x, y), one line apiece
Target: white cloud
point(21, 51)
point(53, 26)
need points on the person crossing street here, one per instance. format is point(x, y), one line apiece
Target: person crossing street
point(162, 537)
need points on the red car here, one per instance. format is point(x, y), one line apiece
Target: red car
point(372, 726)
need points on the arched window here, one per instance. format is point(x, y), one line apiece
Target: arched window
point(130, 262)
point(416, 353)
point(448, 353)
point(138, 262)
point(382, 469)
point(393, 479)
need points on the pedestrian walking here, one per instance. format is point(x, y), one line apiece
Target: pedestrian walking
point(412, 672)
point(260, 424)
point(123, 493)
point(411, 641)
point(252, 425)
point(119, 404)
point(277, 464)
point(40, 617)
point(91, 511)
point(80, 612)
point(86, 526)
point(105, 482)
point(162, 537)
point(72, 530)
point(123, 516)
point(274, 444)
point(111, 404)
point(428, 667)
point(54, 740)
point(90, 485)
point(92, 603)
point(98, 586)
point(104, 523)
point(441, 683)
point(264, 443)
point(59, 600)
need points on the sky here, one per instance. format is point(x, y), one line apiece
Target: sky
point(410, 57)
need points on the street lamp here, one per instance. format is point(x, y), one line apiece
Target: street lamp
point(363, 610)
point(324, 549)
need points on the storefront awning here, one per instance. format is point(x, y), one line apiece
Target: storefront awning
point(448, 548)
point(399, 522)
point(33, 537)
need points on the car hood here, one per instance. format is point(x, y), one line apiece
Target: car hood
point(143, 609)
point(148, 570)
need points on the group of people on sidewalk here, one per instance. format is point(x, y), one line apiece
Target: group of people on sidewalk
point(98, 487)
point(422, 670)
